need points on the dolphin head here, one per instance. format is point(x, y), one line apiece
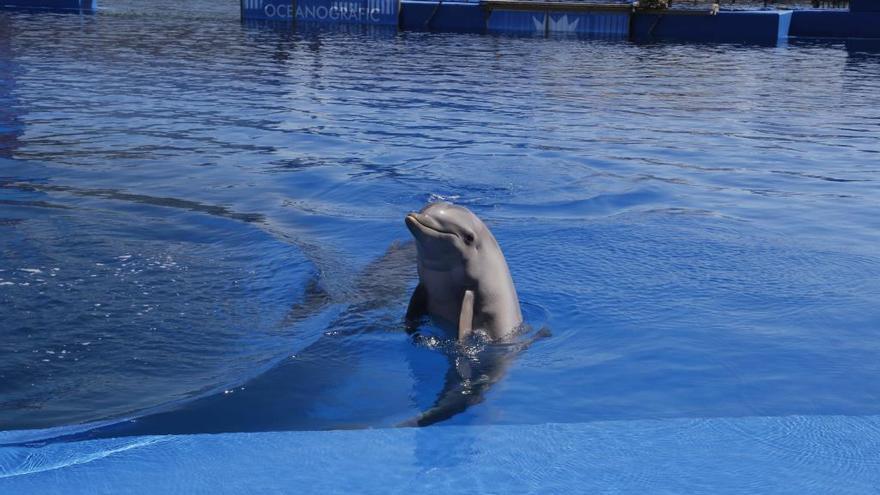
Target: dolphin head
point(447, 235)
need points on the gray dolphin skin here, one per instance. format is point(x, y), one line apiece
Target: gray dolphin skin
point(465, 286)
point(464, 282)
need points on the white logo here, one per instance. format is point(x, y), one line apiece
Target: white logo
point(339, 11)
point(563, 25)
point(284, 10)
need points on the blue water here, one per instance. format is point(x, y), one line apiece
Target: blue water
point(696, 224)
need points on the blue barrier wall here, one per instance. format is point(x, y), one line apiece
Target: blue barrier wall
point(864, 5)
point(517, 22)
point(755, 27)
point(379, 12)
point(454, 17)
point(475, 17)
point(835, 24)
point(79, 5)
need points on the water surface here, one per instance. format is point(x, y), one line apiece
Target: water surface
point(696, 224)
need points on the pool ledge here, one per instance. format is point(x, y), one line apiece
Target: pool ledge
point(792, 454)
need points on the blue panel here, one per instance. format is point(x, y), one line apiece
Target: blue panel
point(864, 5)
point(835, 24)
point(540, 23)
point(749, 26)
point(416, 15)
point(79, 5)
point(784, 25)
point(507, 21)
point(591, 23)
point(458, 17)
point(267, 10)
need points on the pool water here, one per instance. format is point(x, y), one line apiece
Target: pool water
point(199, 218)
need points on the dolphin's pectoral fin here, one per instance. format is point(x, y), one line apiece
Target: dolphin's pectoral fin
point(466, 317)
point(418, 307)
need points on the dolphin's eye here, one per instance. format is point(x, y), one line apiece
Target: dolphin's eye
point(468, 238)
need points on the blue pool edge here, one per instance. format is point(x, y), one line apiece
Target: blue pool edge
point(787, 454)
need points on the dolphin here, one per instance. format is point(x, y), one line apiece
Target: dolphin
point(466, 288)
point(464, 282)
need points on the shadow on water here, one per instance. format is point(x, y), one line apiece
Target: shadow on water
point(856, 49)
point(64, 254)
point(292, 394)
point(863, 49)
point(115, 195)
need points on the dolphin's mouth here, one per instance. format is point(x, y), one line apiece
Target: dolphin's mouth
point(413, 222)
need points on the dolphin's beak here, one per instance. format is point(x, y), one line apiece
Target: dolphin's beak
point(423, 226)
point(413, 224)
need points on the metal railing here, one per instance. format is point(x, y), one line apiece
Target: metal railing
point(785, 4)
point(703, 5)
point(753, 4)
